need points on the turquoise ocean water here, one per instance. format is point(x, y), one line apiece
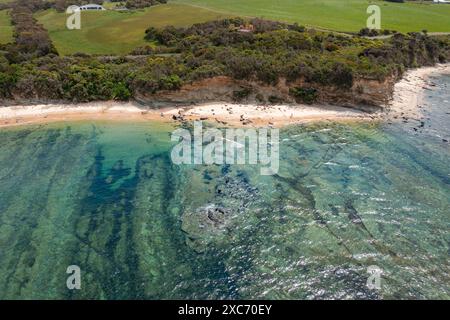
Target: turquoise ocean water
point(106, 197)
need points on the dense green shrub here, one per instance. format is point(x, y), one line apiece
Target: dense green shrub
point(242, 94)
point(31, 68)
point(275, 99)
point(139, 4)
point(120, 91)
point(31, 39)
point(206, 71)
point(304, 95)
point(172, 82)
point(341, 75)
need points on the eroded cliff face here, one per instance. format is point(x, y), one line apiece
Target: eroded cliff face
point(365, 94)
point(208, 90)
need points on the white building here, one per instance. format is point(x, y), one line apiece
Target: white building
point(441, 1)
point(92, 7)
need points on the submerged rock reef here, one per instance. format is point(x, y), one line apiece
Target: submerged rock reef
point(107, 198)
point(232, 197)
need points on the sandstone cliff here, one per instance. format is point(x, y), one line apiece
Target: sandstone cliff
point(365, 94)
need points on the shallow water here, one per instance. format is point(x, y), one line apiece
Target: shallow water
point(106, 197)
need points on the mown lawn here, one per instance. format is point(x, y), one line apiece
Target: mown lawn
point(6, 30)
point(113, 32)
point(340, 15)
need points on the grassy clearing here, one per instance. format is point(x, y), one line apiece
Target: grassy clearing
point(6, 30)
point(113, 32)
point(341, 15)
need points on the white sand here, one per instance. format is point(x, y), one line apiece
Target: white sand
point(223, 113)
point(409, 92)
point(19, 115)
point(279, 115)
point(45, 110)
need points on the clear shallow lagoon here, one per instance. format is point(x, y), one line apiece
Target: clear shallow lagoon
point(106, 197)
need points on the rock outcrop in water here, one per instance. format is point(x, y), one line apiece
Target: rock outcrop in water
point(211, 223)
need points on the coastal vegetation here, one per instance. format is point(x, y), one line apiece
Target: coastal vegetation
point(31, 39)
point(252, 53)
point(5, 27)
point(139, 4)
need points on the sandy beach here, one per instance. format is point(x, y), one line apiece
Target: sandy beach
point(410, 90)
point(220, 113)
point(34, 114)
point(405, 104)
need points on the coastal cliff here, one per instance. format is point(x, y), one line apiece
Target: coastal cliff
point(274, 63)
point(365, 94)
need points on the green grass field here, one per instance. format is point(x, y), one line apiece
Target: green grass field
point(341, 15)
point(6, 30)
point(113, 32)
